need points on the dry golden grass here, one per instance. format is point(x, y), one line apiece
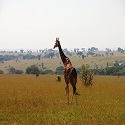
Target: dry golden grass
point(25, 100)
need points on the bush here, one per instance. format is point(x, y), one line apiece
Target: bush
point(86, 76)
point(32, 70)
point(46, 72)
point(58, 78)
point(59, 70)
point(18, 72)
point(1, 72)
point(15, 71)
point(11, 70)
point(78, 70)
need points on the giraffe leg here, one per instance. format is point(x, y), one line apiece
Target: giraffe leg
point(67, 93)
point(67, 87)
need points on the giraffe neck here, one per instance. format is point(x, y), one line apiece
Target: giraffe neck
point(62, 55)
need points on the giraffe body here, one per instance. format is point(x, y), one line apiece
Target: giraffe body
point(70, 74)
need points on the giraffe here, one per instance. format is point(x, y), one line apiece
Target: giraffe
point(70, 74)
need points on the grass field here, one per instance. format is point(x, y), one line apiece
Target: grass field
point(25, 100)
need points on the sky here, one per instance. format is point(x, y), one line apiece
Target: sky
point(35, 24)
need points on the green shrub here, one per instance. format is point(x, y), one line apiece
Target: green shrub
point(86, 76)
point(59, 70)
point(46, 72)
point(15, 71)
point(1, 72)
point(32, 70)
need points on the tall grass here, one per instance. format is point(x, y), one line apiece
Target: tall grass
point(25, 100)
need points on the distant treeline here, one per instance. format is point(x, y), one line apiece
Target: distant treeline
point(50, 53)
point(116, 70)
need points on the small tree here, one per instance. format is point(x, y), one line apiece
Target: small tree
point(86, 76)
point(51, 55)
point(39, 56)
point(15, 71)
point(33, 69)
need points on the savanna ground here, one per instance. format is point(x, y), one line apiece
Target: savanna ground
point(25, 100)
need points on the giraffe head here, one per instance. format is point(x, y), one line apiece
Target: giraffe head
point(57, 42)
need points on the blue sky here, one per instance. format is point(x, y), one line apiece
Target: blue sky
point(34, 24)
